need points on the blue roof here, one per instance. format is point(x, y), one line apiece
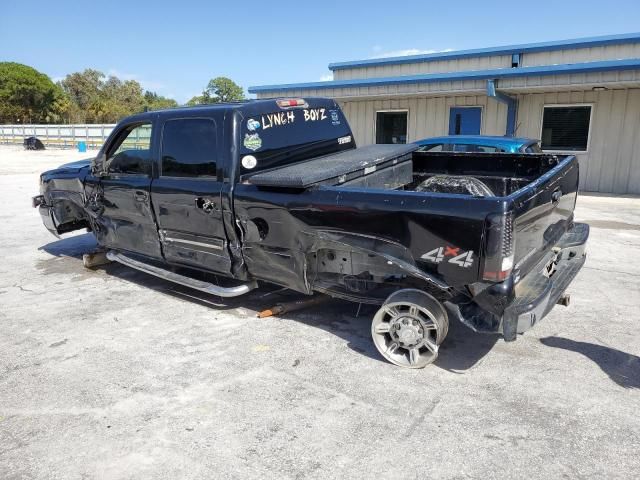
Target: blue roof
point(506, 143)
point(586, 67)
point(504, 50)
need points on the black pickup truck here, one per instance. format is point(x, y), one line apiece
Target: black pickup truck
point(276, 191)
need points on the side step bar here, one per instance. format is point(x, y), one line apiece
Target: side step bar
point(181, 279)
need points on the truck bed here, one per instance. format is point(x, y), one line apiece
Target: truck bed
point(481, 174)
point(400, 167)
point(360, 212)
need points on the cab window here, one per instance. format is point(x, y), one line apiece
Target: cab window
point(130, 153)
point(189, 148)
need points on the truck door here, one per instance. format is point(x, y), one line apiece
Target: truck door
point(126, 218)
point(186, 195)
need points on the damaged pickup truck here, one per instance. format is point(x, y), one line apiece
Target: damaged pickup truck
point(276, 191)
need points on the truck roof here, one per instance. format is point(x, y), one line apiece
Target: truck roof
point(250, 106)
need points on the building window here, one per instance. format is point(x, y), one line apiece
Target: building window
point(391, 127)
point(189, 148)
point(566, 128)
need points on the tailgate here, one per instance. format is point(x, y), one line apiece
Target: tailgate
point(543, 212)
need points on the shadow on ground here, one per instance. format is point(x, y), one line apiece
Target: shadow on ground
point(461, 350)
point(71, 246)
point(623, 368)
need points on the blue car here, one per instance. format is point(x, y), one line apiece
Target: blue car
point(479, 144)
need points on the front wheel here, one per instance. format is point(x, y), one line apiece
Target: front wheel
point(409, 328)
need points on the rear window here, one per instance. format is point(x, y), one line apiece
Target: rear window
point(460, 147)
point(288, 135)
point(469, 147)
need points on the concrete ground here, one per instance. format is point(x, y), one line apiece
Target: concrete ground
point(113, 374)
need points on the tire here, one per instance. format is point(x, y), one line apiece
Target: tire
point(409, 327)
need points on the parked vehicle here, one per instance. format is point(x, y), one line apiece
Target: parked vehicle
point(479, 144)
point(276, 191)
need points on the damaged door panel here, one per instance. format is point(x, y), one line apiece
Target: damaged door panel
point(276, 191)
point(389, 230)
point(187, 193)
point(120, 196)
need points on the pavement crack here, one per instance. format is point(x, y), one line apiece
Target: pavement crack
point(428, 410)
point(22, 288)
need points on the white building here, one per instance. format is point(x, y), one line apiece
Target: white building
point(580, 96)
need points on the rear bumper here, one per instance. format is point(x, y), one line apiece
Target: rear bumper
point(535, 295)
point(538, 292)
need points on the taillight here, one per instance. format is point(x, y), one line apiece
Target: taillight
point(499, 249)
point(291, 102)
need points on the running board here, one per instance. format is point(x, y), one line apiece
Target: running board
point(181, 279)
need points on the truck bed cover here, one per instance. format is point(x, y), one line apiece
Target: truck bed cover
point(335, 168)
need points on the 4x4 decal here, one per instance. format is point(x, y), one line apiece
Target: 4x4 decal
point(451, 255)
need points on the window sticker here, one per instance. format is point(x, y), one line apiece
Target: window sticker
point(253, 125)
point(249, 162)
point(252, 141)
point(277, 119)
point(335, 118)
point(314, 114)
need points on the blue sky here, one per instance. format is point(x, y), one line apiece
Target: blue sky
point(174, 48)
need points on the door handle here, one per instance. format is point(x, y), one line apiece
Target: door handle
point(140, 196)
point(555, 196)
point(206, 205)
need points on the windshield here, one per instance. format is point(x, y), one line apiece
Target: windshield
point(288, 135)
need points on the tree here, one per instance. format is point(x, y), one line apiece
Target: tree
point(97, 98)
point(120, 99)
point(222, 89)
point(83, 90)
point(153, 101)
point(101, 99)
point(219, 90)
point(27, 95)
point(62, 106)
point(199, 100)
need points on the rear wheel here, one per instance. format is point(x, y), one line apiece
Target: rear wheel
point(409, 328)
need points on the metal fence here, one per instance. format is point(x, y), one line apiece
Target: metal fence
point(60, 136)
